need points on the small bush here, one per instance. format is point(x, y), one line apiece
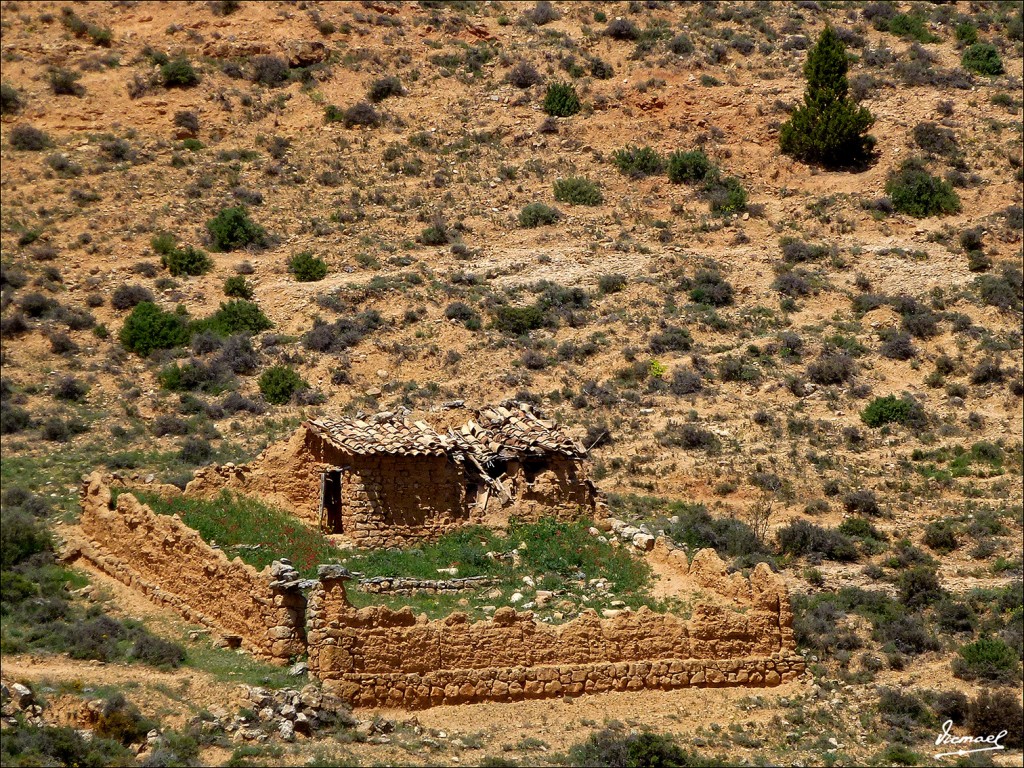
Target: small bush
point(11, 101)
point(982, 58)
point(195, 450)
point(892, 410)
point(622, 29)
point(28, 138)
point(612, 283)
point(862, 502)
point(463, 313)
point(307, 268)
point(64, 82)
point(270, 71)
point(238, 287)
point(916, 192)
point(538, 215)
point(919, 586)
point(561, 100)
point(543, 13)
point(187, 261)
point(941, 536)
point(681, 45)
point(577, 190)
point(803, 538)
point(685, 381)
point(725, 195)
point(361, 113)
point(689, 436)
point(188, 121)
point(610, 748)
point(897, 346)
point(517, 321)
point(524, 75)
point(232, 228)
point(671, 338)
point(70, 389)
point(988, 658)
point(129, 295)
point(178, 73)
point(690, 167)
point(710, 288)
point(384, 88)
point(936, 140)
point(148, 327)
point(992, 712)
point(832, 368)
point(279, 383)
point(638, 162)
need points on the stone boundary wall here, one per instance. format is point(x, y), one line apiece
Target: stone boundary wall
point(169, 562)
point(378, 657)
point(400, 585)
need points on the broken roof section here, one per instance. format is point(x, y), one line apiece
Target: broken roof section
point(502, 432)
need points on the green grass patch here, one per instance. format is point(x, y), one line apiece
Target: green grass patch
point(250, 529)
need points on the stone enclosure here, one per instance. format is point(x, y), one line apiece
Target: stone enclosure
point(738, 633)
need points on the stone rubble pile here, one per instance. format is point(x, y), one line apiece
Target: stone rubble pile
point(15, 699)
point(288, 712)
point(640, 537)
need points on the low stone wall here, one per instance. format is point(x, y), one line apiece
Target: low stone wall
point(169, 562)
point(399, 585)
point(378, 657)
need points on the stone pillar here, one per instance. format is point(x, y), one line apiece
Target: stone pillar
point(325, 600)
point(288, 637)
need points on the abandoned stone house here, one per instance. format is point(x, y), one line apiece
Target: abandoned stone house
point(387, 480)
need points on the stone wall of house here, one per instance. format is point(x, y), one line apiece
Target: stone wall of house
point(378, 657)
point(169, 562)
point(391, 501)
point(559, 489)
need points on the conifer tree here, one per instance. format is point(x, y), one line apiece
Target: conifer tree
point(829, 128)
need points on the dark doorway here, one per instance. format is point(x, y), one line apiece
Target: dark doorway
point(330, 499)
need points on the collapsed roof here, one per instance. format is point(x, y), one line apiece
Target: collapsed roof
point(502, 432)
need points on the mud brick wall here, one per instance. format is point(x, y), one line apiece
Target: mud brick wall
point(378, 657)
point(557, 490)
point(170, 563)
point(398, 500)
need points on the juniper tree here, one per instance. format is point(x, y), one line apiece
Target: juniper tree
point(829, 128)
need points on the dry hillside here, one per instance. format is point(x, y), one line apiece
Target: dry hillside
point(783, 361)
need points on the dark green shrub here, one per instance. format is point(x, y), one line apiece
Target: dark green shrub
point(690, 167)
point(688, 435)
point(892, 410)
point(916, 192)
point(725, 195)
point(919, 587)
point(238, 287)
point(992, 712)
point(538, 215)
point(236, 316)
point(671, 338)
point(637, 162)
point(178, 73)
point(187, 261)
point(577, 190)
point(148, 327)
point(279, 383)
point(195, 450)
point(1003, 290)
point(28, 138)
point(982, 58)
point(463, 313)
point(10, 100)
point(307, 268)
point(64, 82)
point(232, 229)
point(966, 33)
point(361, 113)
point(832, 368)
point(156, 652)
point(681, 45)
point(21, 536)
point(859, 528)
point(342, 334)
point(988, 658)
point(31, 745)
point(804, 538)
point(333, 114)
point(610, 748)
point(560, 100)
point(711, 289)
point(611, 283)
point(128, 295)
point(936, 140)
point(941, 536)
point(194, 376)
point(518, 320)
point(385, 87)
point(829, 128)
point(697, 529)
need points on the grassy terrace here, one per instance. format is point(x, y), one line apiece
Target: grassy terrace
point(558, 557)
